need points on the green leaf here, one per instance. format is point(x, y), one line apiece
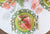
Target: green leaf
point(0, 3)
point(33, 29)
point(23, 21)
point(20, 2)
point(23, 18)
point(28, 32)
point(23, 32)
point(19, 21)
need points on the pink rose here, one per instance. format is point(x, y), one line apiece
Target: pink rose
point(6, 5)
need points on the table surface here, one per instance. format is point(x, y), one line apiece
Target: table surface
point(44, 20)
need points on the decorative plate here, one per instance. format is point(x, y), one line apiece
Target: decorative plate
point(45, 4)
point(24, 21)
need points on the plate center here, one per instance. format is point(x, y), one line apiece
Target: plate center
point(24, 22)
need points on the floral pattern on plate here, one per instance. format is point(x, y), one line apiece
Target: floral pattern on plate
point(21, 19)
point(45, 5)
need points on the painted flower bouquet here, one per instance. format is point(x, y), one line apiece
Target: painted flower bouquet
point(7, 3)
